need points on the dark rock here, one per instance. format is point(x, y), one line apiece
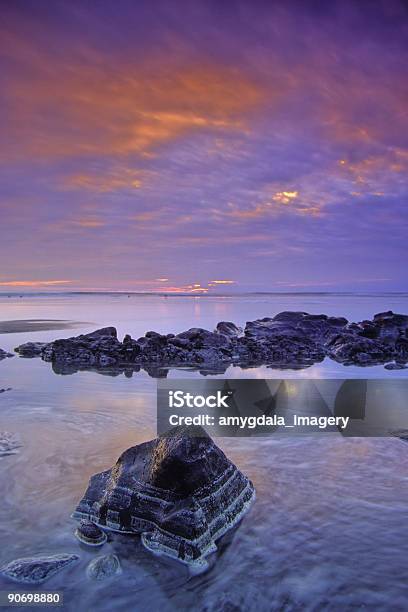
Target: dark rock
point(153, 334)
point(349, 348)
point(103, 567)
point(90, 534)
point(391, 327)
point(98, 348)
point(391, 318)
point(130, 351)
point(103, 332)
point(4, 354)
point(202, 338)
point(278, 341)
point(396, 366)
point(31, 349)
point(288, 340)
point(401, 349)
point(287, 315)
point(179, 491)
point(36, 570)
point(298, 325)
point(179, 342)
point(367, 329)
point(228, 328)
point(337, 321)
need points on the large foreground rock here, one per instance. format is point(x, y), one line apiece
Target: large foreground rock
point(36, 570)
point(288, 340)
point(179, 491)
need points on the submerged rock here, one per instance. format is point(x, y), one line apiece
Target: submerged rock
point(9, 443)
point(103, 567)
point(36, 570)
point(179, 491)
point(4, 354)
point(90, 534)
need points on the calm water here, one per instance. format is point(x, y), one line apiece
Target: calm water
point(329, 528)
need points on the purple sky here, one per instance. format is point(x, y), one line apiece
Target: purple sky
point(162, 145)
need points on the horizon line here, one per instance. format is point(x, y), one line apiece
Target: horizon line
point(195, 295)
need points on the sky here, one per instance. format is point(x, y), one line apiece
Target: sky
point(203, 146)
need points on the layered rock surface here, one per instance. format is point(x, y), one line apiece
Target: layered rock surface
point(179, 491)
point(287, 340)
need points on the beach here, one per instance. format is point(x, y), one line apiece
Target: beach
point(324, 506)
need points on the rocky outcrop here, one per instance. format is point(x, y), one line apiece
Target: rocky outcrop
point(31, 349)
point(373, 342)
point(36, 570)
point(287, 340)
point(179, 491)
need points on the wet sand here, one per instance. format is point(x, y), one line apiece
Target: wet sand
point(30, 325)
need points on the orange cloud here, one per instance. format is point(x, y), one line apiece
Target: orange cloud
point(145, 216)
point(91, 104)
point(393, 160)
point(89, 222)
point(104, 182)
point(378, 175)
point(82, 221)
point(307, 206)
point(285, 197)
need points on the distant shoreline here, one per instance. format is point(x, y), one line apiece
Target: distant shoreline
point(14, 294)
